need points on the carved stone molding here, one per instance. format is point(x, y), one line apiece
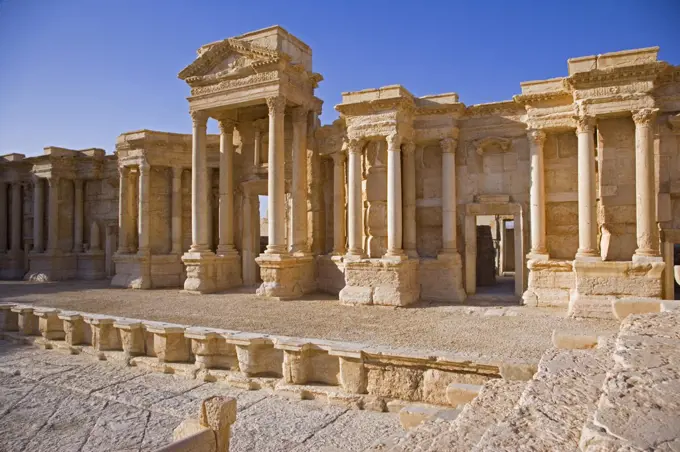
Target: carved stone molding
point(276, 105)
point(448, 145)
point(585, 124)
point(483, 143)
point(355, 146)
point(226, 126)
point(339, 158)
point(645, 116)
point(199, 118)
point(393, 141)
point(536, 137)
point(409, 147)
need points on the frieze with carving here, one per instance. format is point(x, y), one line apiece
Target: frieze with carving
point(225, 85)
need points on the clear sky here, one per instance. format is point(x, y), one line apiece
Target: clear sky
point(77, 73)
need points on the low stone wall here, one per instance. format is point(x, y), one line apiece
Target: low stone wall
point(349, 374)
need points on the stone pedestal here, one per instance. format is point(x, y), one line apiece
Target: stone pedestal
point(330, 274)
point(286, 277)
point(550, 282)
point(92, 265)
point(207, 272)
point(441, 279)
point(51, 266)
point(132, 271)
point(389, 282)
point(601, 284)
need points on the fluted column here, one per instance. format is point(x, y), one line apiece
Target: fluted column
point(78, 216)
point(647, 246)
point(354, 207)
point(537, 194)
point(587, 207)
point(276, 179)
point(53, 215)
point(38, 215)
point(394, 204)
point(4, 215)
point(339, 159)
point(176, 210)
point(143, 223)
point(449, 199)
point(123, 212)
point(226, 213)
point(299, 182)
point(15, 244)
point(409, 216)
point(199, 184)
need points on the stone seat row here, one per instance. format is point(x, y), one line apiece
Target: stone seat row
point(252, 360)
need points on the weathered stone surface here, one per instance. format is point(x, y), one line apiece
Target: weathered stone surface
point(92, 378)
point(459, 393)
point(412, 415)
point(106, 434)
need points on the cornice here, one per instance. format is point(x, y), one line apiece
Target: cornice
point(376, 106)
point(533, 98)
point(597, 77)
point(508, 107)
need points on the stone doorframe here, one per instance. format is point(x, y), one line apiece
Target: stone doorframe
point(472, 210)
point(669, 237)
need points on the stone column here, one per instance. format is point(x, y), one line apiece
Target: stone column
point(647, 242)
point(38, 215)
point(410, 200)
point(199, 188)
point(258, 127)
point(4, 215)
point(143, 223)
point(394, 205)
point(537, 195)
point(226, 212)
point(587, 207)
point(78, 216)
point(176, 210)
point(299, 201)
point(123, 212)
point(15, 244)
point(354, 208)
point(449, 198)
point(276, 208)
point(53, 215)
point(339, 202)
point(249, 252)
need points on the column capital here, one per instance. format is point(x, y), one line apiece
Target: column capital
point(339, 158)
point(408, 147)
point(585, 123)
point(299, 114)
point(199, 118)
point(644, 116)
point(226, 125)
point(260, 124)
point(393, 142)
point(144, 167)
point(276, 104)
point(536, 137)
point(355, 146)
point(177, 172)
point(52, 181)
point(448, 145)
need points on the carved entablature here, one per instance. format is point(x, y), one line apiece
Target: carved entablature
point(378, 113)
point(503, 108)
point(667, 92)
point(331, 138)
point(484, 144)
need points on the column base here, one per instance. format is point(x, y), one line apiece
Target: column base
point(550, 282)
point(384, 282)
point(644, 258)
point(633, 284)
point(51, 266)
point(208, 272)
point(441, 279)
point(133, 271)
point(286, 277)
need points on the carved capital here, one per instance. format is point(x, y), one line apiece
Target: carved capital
point(393, 142)
point(448, 145)
point(299, 114)
point(339, 158)
point(536, 137)
point(226, 126)
point(409, 147)
point(276, 105)
point(584, 124)
point(144, 167)
point(199, 118)
point(645, 116)
point(355, 146)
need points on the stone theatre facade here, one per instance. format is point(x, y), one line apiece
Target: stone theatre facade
point(382, 206)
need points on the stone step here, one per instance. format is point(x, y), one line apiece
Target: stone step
point(555, 404)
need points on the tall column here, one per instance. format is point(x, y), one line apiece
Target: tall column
point(226, 213)
point(354, 207)
point(276, 178)
point(176, 210)
point(249, 251)
point(78, 216)
point(299, 207)
point(4, 215)
point(38, 215)
point(143, 223)
point(258, 127)
point(410, 200)
point(449, 198)
point(339, 202)
point(199, 188)
point(537, 194)
point(123, 212)
point(647, 246)
point(394, 205)
point(53, 215)
point(15, 245)
point(587, 213)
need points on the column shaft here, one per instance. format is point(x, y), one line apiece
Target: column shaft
point(199, 189)
point(354, 207)
point(226, 213)
point(587, 207)
point(299, 201)
point(410, 200)
point(78, 216)
point(537, 193)
point(339, 202)
point(53, 215)
point(15, 245)
point(143, 223)
point(276, 178)
point(644, 183)
point(38, 215)
point(123, 213)
point(176, 210)
point(4, 216)
point(394, 205)
point(449, 198)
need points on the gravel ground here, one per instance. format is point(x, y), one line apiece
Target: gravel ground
point(489, 328)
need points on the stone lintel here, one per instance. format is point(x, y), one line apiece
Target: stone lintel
point(22, 309)
point(247, 339)
point(128, 324)
point(164, 328)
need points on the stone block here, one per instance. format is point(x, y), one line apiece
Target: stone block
point(51, 327)
point(623, 307)
point(390, 282)
point(395, 382)
point(256, 355)
point(413, 415)
point(76, 331)
point(352, 375)
point(132, 336)
point(436, 383)
point(459, 393)
point(9, 320)
point(568, 340)
point(169, 343)
point(105, 336)
point(286, 277)
point(219, 413)
point(27, 322)
point(211, 349)
point(517, 371)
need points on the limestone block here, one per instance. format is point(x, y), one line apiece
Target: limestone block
point(569, 340)
point(211, 349)
point(623, 307)
point(413, 415)
point(517, 371)
point(105, 336)
point(330, 274)
point(353, 375)
point(201, 273)
point(219, 413)
point(27, 321)
point(76, 331)
point(392, 283)
point(286, 277)
point(9, 320)
point(51, 327)
point(256, 355)
point(169, 343)
point(436, 383)
point(441, 279)
point(460, 393)
point(190, 427)
point(356, 295)
point(395, 382)
point(620, 278)
point(132, 336)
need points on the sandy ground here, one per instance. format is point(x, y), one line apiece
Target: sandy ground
point(488, 327)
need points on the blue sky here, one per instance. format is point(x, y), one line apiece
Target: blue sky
point(77, 73)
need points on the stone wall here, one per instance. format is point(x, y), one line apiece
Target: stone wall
point(428, 200)
point(160, 217)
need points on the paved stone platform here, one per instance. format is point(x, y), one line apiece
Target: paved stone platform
point(489, 326)
point(55, 402)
